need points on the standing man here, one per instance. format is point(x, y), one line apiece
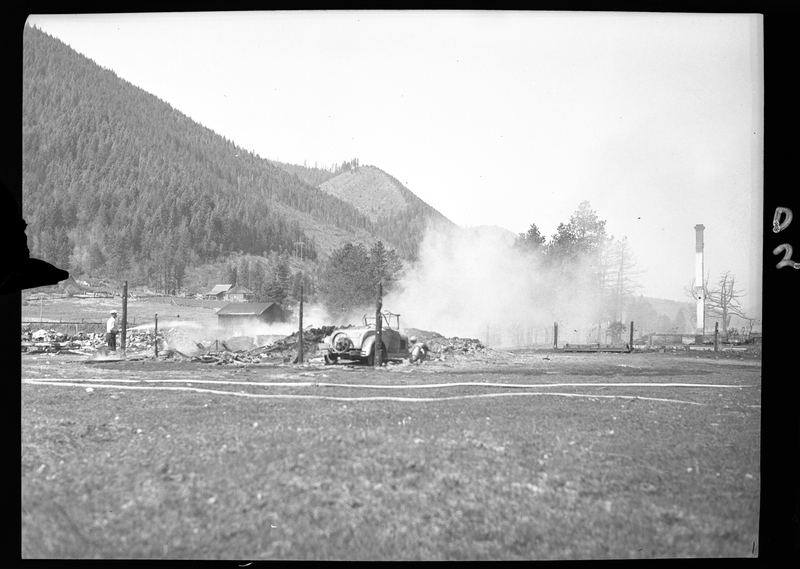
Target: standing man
point(111, 331)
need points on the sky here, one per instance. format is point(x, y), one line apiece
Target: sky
point(492, 118)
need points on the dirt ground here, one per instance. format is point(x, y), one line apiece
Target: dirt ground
point(490, 455)
point(489, 365)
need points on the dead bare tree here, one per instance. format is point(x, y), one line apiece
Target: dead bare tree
point(617, 276)
point(517, 330)
point(751, 323)
point(722, 301)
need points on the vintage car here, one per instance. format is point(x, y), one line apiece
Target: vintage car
point(357, 343)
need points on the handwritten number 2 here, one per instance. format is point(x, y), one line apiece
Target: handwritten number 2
point(787, 256)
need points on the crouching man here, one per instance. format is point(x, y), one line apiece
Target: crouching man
point(111, 331)
point(419, 350)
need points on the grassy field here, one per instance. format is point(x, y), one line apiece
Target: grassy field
point(305, 462)
point(142, 311)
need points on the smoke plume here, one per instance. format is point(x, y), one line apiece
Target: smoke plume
point(475, 283)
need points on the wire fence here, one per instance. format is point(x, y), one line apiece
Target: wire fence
point(67, 327)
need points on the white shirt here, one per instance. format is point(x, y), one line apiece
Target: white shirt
point(111, 324)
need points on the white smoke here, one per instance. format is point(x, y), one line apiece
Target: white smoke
point(474, 283)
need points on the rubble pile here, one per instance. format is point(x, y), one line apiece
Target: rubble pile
point(50, 341)
point(226, 357)
point(444, 348)
point(422, 335)
point(176, 343)
point(442, 345)
point(284, 349)
point(465, 351)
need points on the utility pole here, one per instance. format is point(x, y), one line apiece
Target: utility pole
point(631, 346)
point(555, 335)
point(378, 327)
point(300, 332)
point(300, 340)
point(124, 316)
point(155, 335)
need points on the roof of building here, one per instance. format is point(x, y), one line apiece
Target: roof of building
point(220, 288)
point(239, 289)
point(245, 308)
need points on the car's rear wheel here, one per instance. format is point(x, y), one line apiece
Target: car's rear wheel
point(330, 359)
point(371, 356)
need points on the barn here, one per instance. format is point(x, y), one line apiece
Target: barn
point(240, 315)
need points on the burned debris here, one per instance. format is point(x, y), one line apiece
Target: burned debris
point(177, 344)
point(81, 343)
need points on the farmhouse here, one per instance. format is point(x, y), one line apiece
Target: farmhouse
point(217, 292)
point(238, 294)
point(242, 315)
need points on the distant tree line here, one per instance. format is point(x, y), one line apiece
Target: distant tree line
point(587, 264)
point(585, 260)
point(347, 280)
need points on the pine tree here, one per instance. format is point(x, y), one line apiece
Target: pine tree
point(278, 290)
point(384, 266)
point(532, 240)
point(346, 282)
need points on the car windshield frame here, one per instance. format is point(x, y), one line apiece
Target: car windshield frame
point(370, 320)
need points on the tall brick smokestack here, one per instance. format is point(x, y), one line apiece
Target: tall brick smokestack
point(698, 289)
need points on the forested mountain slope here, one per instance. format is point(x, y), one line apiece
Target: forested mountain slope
point(116, 181)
